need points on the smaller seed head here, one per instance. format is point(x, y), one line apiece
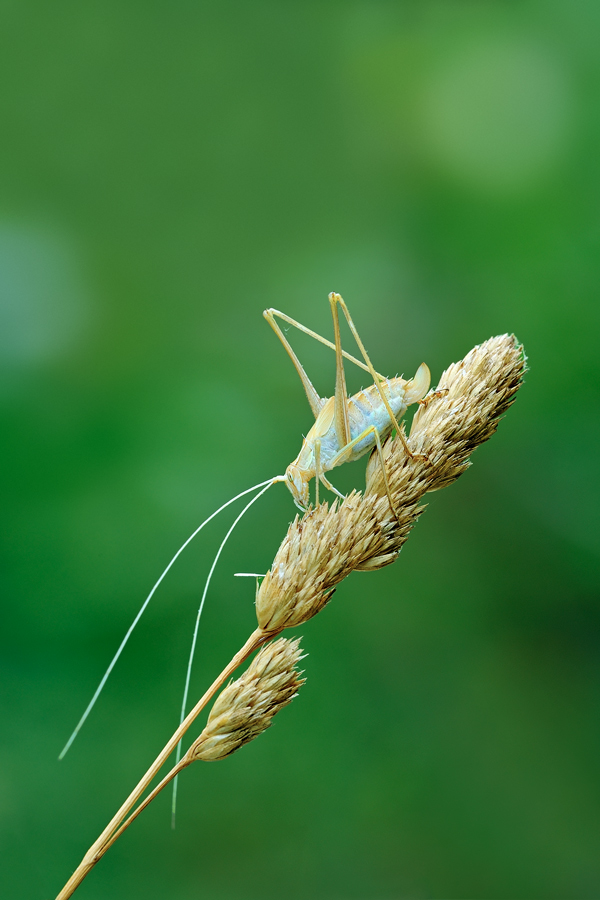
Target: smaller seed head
point(246, 706)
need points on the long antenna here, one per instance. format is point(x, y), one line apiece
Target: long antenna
point(195, 637)
point(98, 690)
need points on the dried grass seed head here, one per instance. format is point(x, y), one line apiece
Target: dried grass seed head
point(362, 533)
point(247, 705)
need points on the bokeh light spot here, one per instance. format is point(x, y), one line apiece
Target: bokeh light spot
point(497, 115)
point(44, 309)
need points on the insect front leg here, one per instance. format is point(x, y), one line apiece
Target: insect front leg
point(320, 475)
point(330, 487)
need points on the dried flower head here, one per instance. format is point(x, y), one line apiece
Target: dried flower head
point(246, 706)
point(364, 532)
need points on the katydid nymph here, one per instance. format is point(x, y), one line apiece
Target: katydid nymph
point(345, 429)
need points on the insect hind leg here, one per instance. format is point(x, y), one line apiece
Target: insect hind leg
point(340, 457)
point(337, 300)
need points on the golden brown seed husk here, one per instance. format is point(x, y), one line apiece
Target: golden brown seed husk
point(327, 543)
point(246, 707)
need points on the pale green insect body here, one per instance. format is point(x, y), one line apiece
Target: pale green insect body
point(367, 415)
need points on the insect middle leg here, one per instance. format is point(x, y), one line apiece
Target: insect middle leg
point(316, 402)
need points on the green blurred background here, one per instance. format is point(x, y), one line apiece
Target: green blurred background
point(167, 171)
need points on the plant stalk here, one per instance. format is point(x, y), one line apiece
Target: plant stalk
point(105, 840)
point(179, 767)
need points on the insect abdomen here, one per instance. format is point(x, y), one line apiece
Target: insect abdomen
point(367, 408)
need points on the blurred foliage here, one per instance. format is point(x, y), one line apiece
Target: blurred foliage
point(168, 171)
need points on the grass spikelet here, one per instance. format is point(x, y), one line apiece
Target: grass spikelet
point(246, 707)
point(363, 532)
